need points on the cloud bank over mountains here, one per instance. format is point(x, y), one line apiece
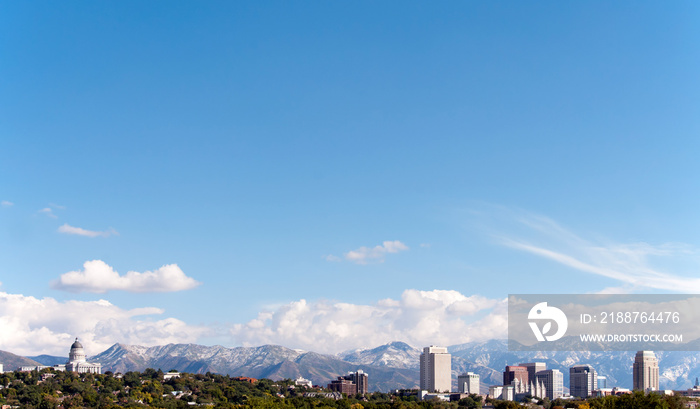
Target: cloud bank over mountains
point(33, 326)
point(442, 317)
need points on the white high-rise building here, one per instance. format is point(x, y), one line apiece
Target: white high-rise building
point(583, 380)
point(435, 369)
point(645, 372)
point(468, 383)
point(553, 382)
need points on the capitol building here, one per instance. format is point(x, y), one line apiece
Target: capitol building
point(77, 361)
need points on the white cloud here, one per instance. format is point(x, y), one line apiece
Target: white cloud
point(98, 277)
point(441, 317)
point(33, 326)
point(365, 255)
point(48, 211)
point(68, 229)
point(635, 265)
point(6, 203)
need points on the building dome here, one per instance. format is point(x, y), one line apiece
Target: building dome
point(77, 361)
point(77, 353)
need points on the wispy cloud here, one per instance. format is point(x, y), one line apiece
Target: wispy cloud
point(376, 254)
point(68, 229)
point(98, 277)
point(49, 212)
point(333, 258)
point(634, 265)
point(6, 203)
point(443, 317)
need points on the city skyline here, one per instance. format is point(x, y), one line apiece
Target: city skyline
point(181, 173)
point(548, 382)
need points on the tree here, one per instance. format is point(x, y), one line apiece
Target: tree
point(150, 373)
point(469, 403)
point(132, 379)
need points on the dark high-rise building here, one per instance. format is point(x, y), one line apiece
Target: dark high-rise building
point(513, 372)
point(583, 380)
point(533, 368)
point(350, 384)
point(360, 379)
point(343, 385)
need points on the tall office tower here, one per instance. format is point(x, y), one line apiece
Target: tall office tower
point(352, 383)
point(553, 382)
point(602, 382)
point(360, 378)
point(468, 383)
point(532, 369)
point(435, 369)
point(515, 372)
point(583, 380)
point(645, 372)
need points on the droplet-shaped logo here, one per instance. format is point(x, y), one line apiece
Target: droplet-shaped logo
point(541, 312)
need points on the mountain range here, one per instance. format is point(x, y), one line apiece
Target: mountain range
point(391, 366)
point(10, 361)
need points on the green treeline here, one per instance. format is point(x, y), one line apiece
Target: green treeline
point(53, 390)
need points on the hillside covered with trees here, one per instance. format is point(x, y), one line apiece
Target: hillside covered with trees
point(50, 389)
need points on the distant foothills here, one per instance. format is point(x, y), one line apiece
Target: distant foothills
point(390, 366)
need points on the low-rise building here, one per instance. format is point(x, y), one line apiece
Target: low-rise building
point(611, 391)
point(171, 375)
point(425, 395)
point(303, 382)
point(245, 379)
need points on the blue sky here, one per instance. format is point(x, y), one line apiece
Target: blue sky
point(309, 166)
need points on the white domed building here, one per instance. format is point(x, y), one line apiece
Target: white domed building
point(77, 361)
